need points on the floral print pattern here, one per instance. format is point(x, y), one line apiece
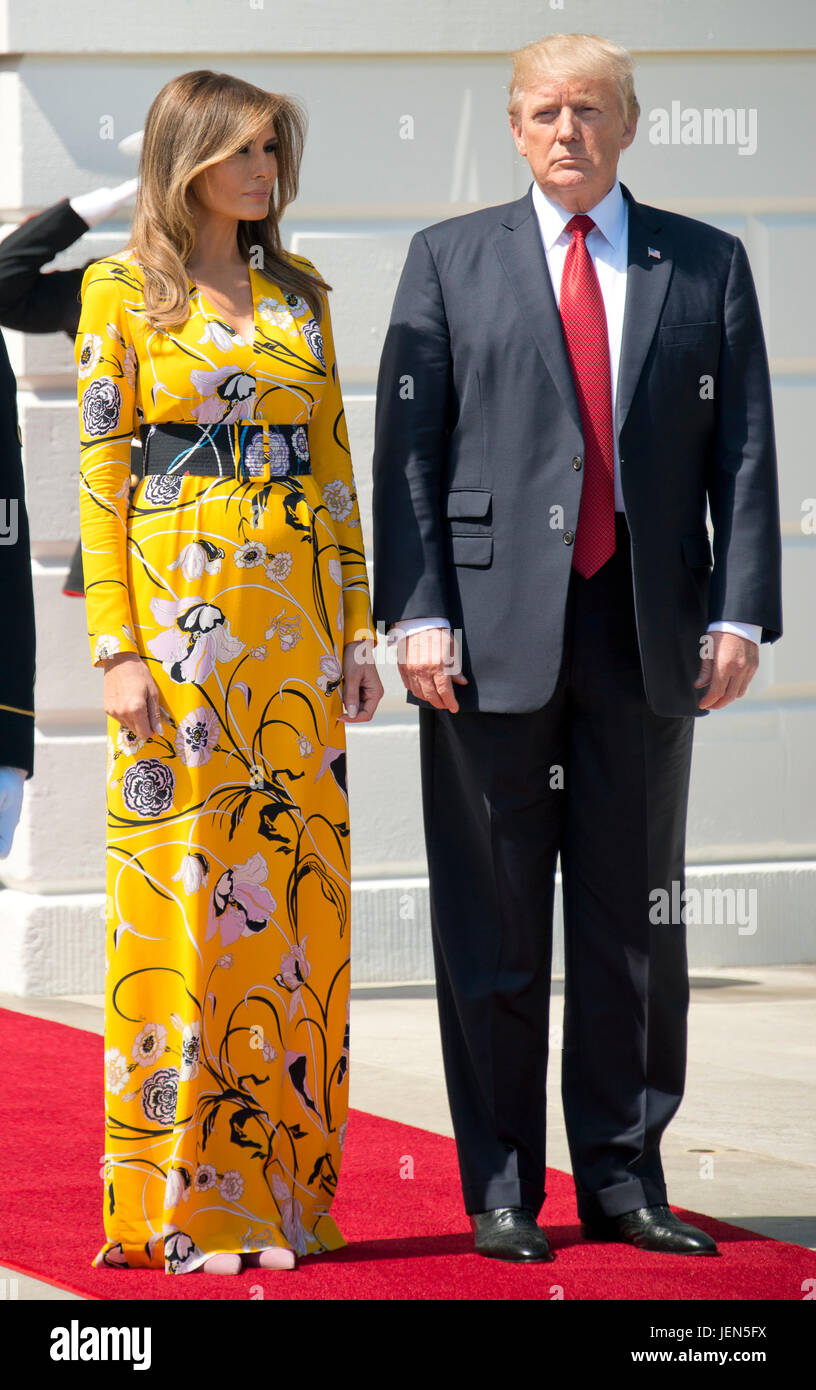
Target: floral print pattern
point(226, 1002)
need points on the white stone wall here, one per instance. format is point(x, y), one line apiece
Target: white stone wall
point(360, 69)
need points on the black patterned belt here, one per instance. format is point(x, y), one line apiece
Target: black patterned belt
point(243, 449)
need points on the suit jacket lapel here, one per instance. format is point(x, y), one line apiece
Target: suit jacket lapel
point(518, 244)
point(647, 282)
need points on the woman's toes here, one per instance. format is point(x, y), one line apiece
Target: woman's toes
point(225, 1263)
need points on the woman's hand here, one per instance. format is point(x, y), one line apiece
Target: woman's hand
point(362, 688)
point(131, 695)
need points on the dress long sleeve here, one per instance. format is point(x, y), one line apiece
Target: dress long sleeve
point(332, 466)
point(107, 365)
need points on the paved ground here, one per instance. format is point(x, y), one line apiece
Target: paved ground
point(743, 1146)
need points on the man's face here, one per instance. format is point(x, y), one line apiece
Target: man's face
point(571, 132)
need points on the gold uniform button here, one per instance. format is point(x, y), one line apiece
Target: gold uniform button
point(19, 435)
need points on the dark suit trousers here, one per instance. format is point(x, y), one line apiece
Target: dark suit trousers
point(597, 777)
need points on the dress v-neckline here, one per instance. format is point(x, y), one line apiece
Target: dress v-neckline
point(210, 311)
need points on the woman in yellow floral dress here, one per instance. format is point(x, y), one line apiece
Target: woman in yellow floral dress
point(228, 603)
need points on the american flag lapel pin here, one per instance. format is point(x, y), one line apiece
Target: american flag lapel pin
point(652, 251)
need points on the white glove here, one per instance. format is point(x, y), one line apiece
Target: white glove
point(132, 144)
point(103, 202)
point(11, 801)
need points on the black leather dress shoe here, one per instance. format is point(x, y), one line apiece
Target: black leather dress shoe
point(509, 1233)
point(651, 1228)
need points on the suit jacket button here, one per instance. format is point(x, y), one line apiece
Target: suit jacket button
point(577, 463)
point(569, 537)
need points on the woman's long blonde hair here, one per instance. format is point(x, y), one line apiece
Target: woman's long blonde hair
point(196, 120)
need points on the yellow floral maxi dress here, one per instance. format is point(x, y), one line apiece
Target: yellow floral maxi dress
point(227, 984)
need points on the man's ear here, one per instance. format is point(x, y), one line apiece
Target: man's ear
point(629, 133)
point(518, 137)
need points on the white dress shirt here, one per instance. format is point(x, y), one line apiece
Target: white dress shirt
point(608, 246)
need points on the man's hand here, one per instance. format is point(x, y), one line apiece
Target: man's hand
point(428, 656)
point(131, 695)
point(362, 688)
point(729, 671)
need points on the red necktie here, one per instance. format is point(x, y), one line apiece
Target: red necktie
point(584, 319)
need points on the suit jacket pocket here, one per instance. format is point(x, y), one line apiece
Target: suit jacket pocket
point(471, 550)
point(688, 334)
point(470, 533)
point(468, 502)
point(697, 550)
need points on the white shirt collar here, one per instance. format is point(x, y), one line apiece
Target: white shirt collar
point(609, 216)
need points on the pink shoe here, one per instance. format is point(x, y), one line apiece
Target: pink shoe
point(273, 1257)
point(226, 1262)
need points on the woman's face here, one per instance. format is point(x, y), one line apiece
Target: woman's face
point(241, 185)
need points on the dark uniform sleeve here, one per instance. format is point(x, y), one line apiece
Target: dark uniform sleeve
point(18, 648)
point(33, 300)
point(37, 301)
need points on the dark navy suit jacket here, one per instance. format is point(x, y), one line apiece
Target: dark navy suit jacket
point(478, 434)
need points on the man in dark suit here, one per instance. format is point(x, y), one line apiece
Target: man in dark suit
point(567, 382)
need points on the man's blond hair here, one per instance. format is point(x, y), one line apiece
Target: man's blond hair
point(573, 55)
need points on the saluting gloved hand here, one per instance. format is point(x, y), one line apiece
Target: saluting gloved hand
point(102, 203)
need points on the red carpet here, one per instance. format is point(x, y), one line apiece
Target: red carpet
point(409, 1238)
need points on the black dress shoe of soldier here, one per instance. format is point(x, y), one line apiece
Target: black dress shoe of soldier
point(651, 1228)
point(509, 1233)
